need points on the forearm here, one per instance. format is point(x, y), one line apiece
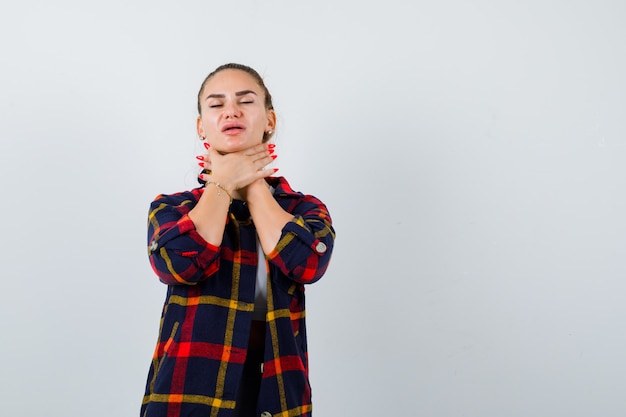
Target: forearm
point(177, 252)
point(268, 216)
point(305, 248)
point(209, 215)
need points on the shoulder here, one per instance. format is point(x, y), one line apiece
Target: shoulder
point(284, 193)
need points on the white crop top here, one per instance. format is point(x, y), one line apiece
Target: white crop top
point(260, 289)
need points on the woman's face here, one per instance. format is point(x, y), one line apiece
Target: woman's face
point(233, 115)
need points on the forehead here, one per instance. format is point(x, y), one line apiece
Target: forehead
point(231, 80)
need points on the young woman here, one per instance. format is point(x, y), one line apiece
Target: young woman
point(235, 255)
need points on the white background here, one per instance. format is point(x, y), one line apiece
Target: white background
point(472, 154)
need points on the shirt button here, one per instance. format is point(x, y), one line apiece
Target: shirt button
point(320, 247)
point(266, 414)
point(153, 246)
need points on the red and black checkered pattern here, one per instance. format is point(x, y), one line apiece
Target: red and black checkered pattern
point(206, 318)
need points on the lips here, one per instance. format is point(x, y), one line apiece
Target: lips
point(233, 128)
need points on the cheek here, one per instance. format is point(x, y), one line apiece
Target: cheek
point(209, 124)
point(261, 122)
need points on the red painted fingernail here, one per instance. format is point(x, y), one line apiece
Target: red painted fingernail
point(274, 156)
point(271, 145)
point(275, 169)
point(200, 157)
point(206, 145)
point(271, 151)
point(201, 164)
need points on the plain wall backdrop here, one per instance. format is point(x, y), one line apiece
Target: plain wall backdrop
point(472, 155)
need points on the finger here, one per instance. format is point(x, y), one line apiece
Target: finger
point(201, 160)
point(204, 161)
point(258, 149)
point(262, 163)
point(265, 157)
point(268, 172)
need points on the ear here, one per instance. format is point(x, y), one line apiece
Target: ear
point(199, 127)
point(271, 120)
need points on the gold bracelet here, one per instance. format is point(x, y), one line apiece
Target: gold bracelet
point(220, 188)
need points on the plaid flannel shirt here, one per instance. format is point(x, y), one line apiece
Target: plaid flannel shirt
point(204, 328)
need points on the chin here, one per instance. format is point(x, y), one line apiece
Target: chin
point(238, 144)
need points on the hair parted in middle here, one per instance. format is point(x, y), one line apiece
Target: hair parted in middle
point(252, 72)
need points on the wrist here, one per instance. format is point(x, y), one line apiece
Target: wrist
point(256, 189)
point(224, 183)
point(221, 190)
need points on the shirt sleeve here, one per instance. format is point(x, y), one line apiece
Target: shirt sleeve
point(306, 243)
point(177, 252)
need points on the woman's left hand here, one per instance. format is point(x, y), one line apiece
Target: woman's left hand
point(237, 170)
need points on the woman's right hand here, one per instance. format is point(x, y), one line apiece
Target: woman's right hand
point(235, 171)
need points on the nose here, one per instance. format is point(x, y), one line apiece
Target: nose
point(231, 109)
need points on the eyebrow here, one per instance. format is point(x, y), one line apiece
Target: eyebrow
point(238, 94)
